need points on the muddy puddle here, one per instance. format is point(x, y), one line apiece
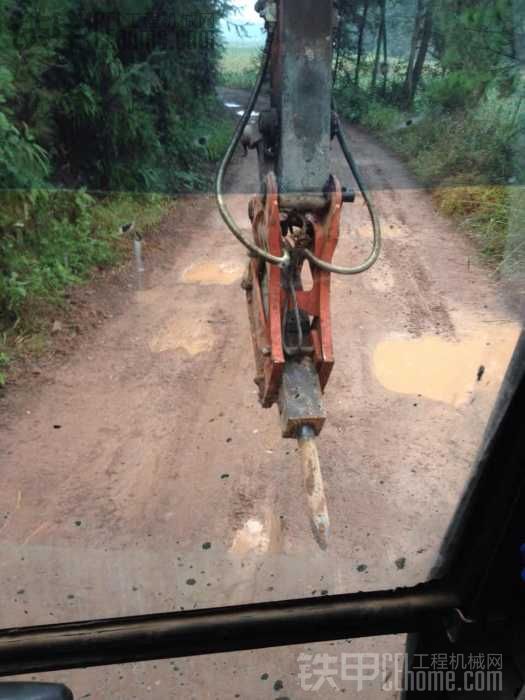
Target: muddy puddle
point(253, 115)
point(213, 273)
point(443, 369)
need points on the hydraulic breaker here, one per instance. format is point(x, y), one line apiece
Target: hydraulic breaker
point(295, 219)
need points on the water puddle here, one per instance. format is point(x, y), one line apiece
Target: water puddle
point(187, 334)
point(213, 273)
point(232, 105)
point(445, 370)
point(253, 115)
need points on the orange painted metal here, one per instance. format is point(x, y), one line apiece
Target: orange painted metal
point(267, 298)
point(264, 305)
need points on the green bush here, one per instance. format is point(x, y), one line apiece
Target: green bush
point(54, 248)
point(64, 235)
point(352, 102)
point(483, 210)
point(240, 79)
point(92, 100)
point(219, 139)
point(466, 155)
point(23, 162)
point(93, 95)
point(239, 67)
point(480, 143)
point(4, 361)
point(455, 91)
point(382, 117)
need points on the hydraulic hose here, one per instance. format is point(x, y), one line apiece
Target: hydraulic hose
point(376, 226)
point(284, 260)
point(223, 209)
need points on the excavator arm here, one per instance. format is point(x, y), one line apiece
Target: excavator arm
point(296, 219)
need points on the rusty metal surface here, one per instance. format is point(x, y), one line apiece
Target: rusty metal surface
point(301, 91)
point(264, 306)
point(302, 201)
point(267, 299)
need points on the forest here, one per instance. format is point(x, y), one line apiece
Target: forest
point(103, 108)
point(442, 83)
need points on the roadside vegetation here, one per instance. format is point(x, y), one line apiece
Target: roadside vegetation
point(107, 111)
point(441, 83)
point(239, 66)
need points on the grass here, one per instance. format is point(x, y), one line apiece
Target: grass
point(61, 236)
point(239, 66)
point(482, 210)
point(53, 239)
point(66, 235)
point(4, 361)
point(219, 137)
point(465, 157)
point(238, 57)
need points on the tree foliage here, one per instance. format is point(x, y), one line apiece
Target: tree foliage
point(469, 44)
point(102, 96)
point(451, 102)
point(103, 89)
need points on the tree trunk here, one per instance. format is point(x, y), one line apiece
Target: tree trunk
point(423, 49)
point(378, 53)
point(385, 50)
point(407, 89)
point(360, 42)
point(338, 51)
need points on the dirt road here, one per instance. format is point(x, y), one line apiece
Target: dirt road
point(141, 474)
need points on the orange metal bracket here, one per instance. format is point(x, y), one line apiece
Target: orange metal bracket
point(266, 296)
